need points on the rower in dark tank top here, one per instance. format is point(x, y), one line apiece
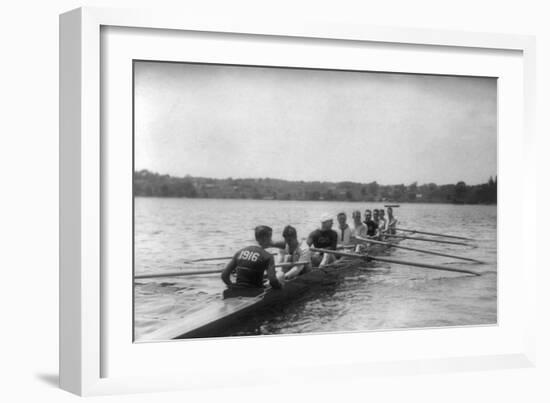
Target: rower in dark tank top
point(323, 238)
point(250, 264)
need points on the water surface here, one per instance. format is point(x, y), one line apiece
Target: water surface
point(169, 231)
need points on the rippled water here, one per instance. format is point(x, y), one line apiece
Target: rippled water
point(169, 231)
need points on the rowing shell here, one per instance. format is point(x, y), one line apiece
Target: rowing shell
point(218, 315)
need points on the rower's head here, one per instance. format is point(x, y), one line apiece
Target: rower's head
point(368, 215)
point(326, 221)
point(375, 214)
point(382, 212)
point(341, 217)
point(390, 212)
point(263, 235)
point(290, 235)
point(356, 215)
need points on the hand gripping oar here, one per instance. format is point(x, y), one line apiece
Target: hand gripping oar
point(428, 252)
point(434, 234)
point(201, 272)
point(429, 240)
point(395, 261)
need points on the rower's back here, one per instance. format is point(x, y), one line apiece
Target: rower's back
point(251, 263)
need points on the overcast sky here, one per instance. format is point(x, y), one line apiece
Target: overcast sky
point(314, 125)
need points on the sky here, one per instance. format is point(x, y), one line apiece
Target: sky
point(313, 125)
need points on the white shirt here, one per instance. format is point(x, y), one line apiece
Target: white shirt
point(344, 235)
point(359, 230)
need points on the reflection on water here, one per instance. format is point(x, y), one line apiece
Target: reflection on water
point(170, 231)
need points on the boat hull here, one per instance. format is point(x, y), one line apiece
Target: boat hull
point(214, 319)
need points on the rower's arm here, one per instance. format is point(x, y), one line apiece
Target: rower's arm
point(226, 272)
point(294, 271)
point(353, 238)
point(272, 274)
point(278, 245)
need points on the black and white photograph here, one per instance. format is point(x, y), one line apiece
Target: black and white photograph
point(233, 201)
point(283, 201)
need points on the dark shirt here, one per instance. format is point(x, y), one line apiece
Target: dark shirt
point(251, 263)
point(371, 227)
point(327, 239)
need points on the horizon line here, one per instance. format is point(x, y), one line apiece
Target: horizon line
point(494, 177)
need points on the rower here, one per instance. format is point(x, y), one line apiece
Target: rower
point(375, 216)
point(323, 238)
point(382, 222)
point(294, 251)
point(250, 264)
point(376, 220)
point(372, 227)
point(392, 222)
point(359, 229)
point(344, 231)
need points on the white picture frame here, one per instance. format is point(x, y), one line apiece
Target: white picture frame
point(91, 361)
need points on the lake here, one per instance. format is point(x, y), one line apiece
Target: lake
point(169, 231)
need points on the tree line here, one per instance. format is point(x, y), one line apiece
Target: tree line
point(151, 184)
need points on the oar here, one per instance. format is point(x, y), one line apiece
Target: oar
point(210, 259)
point(346, 246)
point(434, 234)
point(428, 252)
point(429, 240)
point(387, 260)
point(201, 272)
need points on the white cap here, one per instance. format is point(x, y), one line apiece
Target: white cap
point(326, 217)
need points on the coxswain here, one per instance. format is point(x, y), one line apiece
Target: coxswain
point(323, 238)
point(250, 264)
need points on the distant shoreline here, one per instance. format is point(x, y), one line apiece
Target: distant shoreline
point(317, 201)
point(150, 184)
